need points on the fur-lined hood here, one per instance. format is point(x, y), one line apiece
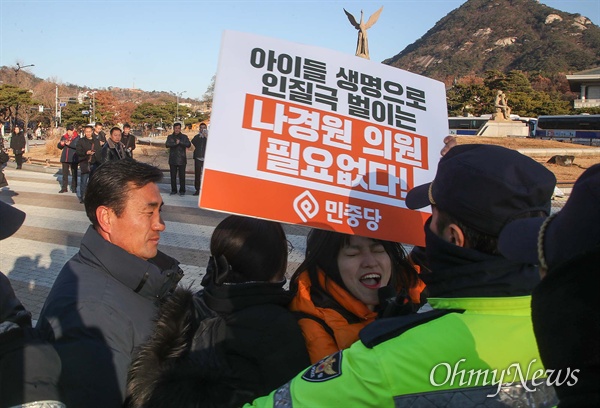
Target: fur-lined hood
point(221, 347)
point(161, 375)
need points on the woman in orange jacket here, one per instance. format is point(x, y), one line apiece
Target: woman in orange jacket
point(339, 285)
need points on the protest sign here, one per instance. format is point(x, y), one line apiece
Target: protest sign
point(310, 136)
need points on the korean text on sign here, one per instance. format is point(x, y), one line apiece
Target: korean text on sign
point(321, 146)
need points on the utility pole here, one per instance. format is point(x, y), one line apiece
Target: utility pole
point(56, 109)
point(177, 95)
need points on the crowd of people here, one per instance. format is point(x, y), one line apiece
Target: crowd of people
point(84, 153)
point(497, 309)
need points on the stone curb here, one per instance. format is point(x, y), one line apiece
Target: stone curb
point(532, 152)
point(54, 168)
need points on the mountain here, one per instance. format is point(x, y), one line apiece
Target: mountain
point(45, 90)
point(503, 35)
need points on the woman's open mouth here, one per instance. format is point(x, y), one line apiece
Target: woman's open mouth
point(371, 280)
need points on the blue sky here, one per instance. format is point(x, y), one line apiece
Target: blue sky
point(174, 45)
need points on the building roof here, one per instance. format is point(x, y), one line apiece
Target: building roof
point(586, 77)
point(591, 71)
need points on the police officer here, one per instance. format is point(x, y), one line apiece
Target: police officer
point(473, 343)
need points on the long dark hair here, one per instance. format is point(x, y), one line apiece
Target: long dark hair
point(322, 248)
point(253, 250)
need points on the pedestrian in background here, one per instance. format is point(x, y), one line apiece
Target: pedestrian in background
point(199, 142)
point(18, 144)
point(86, 147)
point(114, 149)
point(128, 139)
point(178, 143)
point(3, 160)
point(99, 133)
point(68, 158)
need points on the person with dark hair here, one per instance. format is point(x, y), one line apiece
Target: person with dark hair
point(114, 149)
point(232, 341)
point(472, 344)
point(103, 300)
point(340, 285)
point(100, 136)
point(69, 159)
point(29, 366)
point(99, 133)
point(128, 139)
point(177, 143)
point(199, 142)
point(86, 149)
point(564, 306)
point(17, 144)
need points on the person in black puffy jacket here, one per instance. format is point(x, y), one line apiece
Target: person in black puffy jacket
point(232, 341)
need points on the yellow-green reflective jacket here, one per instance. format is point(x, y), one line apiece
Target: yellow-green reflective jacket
point(466, 352)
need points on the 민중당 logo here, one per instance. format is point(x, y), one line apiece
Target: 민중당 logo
point(444, 374)
point(306, 206)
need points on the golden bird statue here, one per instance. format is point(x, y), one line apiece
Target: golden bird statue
point(362, 43)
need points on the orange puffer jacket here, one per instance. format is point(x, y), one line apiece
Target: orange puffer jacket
point(321, 321)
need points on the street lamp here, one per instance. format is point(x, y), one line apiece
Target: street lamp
point(17, 69)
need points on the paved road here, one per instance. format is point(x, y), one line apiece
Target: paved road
point(55, 224)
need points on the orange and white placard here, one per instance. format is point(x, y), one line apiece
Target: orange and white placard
point(306, 135)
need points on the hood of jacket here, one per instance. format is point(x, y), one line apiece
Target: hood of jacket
point(230, 297)
point(315, 298)
point(463, 272)
point(152, 279)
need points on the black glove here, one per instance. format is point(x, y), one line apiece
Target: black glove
point(392, 304)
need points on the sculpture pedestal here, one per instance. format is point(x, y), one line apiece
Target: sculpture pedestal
point(499, 128)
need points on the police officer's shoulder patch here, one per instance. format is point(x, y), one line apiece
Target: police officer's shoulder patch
point(328, 368)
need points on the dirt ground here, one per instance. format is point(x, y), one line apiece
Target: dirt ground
point(158, 155)
point(564, 174)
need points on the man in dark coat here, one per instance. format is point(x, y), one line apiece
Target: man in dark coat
point(99, 133)
point(178, 143)
point(128, 139)
point(114, 149)
point(17, 143)
point(86, 149)
point(199, 142)
point(102, 304)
